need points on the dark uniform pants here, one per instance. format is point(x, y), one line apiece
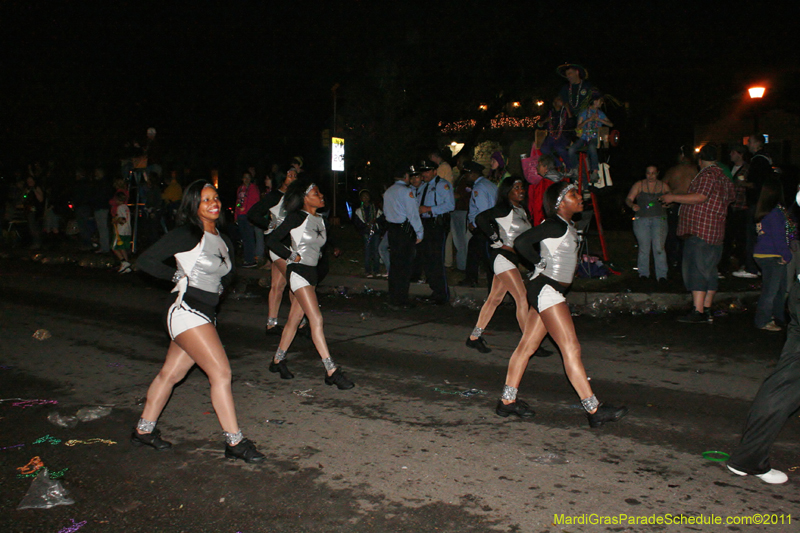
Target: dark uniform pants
point(477, 256)
point(433, 257)
point(401, 256)
point(776, 401)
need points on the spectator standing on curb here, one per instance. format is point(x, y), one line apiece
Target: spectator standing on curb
point(121, 217)
point(366, 222)
point(760, 169)
point(702, 222)
point(650, 223)
point(735, 245)
point(246, 197)
point(776, 231)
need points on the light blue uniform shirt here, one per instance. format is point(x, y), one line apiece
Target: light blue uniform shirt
point(439, 197)
point(483, 197)
point(399, 205)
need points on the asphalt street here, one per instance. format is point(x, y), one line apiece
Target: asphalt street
point(405, 450)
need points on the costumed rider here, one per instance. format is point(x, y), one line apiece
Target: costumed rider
point(405, 229)
point(435, 205)
point(307, 232)
point(549, 312)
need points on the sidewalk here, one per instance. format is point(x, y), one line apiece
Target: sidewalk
point(619, 301)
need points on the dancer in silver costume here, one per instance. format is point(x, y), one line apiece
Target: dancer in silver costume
point(268, 214)
point(503, 223)
point(203, 256)
point(549, 313)
point(307, 233)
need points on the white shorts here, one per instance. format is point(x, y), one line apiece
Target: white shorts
point(502, 264)
point(182, 318)
point(273, 256)
point(296, 282)
point(548, 297)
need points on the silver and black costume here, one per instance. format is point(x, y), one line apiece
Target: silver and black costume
point(204, 267)
point(502, 224)
point(307, 235)
point(558, 259)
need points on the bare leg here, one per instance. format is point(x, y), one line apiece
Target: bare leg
point(558, 321)
point(532, 337)
point(277, 287)
point(512, 279)
point(176, 366)
point(709, 299)
point(202, 346)
point(698, 299)
point(495, 298)
point(290, 330)
point(509, 281)
point(307, 298)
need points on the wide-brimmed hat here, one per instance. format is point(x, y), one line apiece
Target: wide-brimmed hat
point(582, 72)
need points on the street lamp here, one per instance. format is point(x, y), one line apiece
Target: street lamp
point(756, 93)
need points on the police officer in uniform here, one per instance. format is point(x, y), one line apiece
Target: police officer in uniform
point(483, 197)
point(436, 202)
point(405, 231)
point(416, 184)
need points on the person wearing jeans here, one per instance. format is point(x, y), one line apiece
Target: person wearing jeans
point(776, 230)
point(650, 224)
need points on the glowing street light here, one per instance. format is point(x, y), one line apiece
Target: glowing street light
point(756, 92)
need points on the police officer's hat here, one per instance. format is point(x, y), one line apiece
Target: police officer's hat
point(413, 170)
point(472, 166)
point(425, 165)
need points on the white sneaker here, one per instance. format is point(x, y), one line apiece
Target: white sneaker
point(744, 274)
point(773, 477)
point(771, 326)
point(123, 266)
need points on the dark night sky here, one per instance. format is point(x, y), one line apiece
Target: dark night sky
point(226, 76)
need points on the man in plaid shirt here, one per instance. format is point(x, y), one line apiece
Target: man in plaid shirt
point(702, 223)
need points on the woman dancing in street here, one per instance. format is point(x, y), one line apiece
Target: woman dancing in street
point(307, 232)
point(204, 258)
point(267, 215)
point(549, 313)
point(503, 223)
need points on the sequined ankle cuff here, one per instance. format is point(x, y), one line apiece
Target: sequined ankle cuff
point(590, 404)
point(509, 393)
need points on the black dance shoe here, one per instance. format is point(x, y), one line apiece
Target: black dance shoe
point(245, 451)
point(339, 379)
point(153, 440)
point(281, 368)
point(274, 331)
point(606, 413)
point(519, 408)
point(479, 344)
